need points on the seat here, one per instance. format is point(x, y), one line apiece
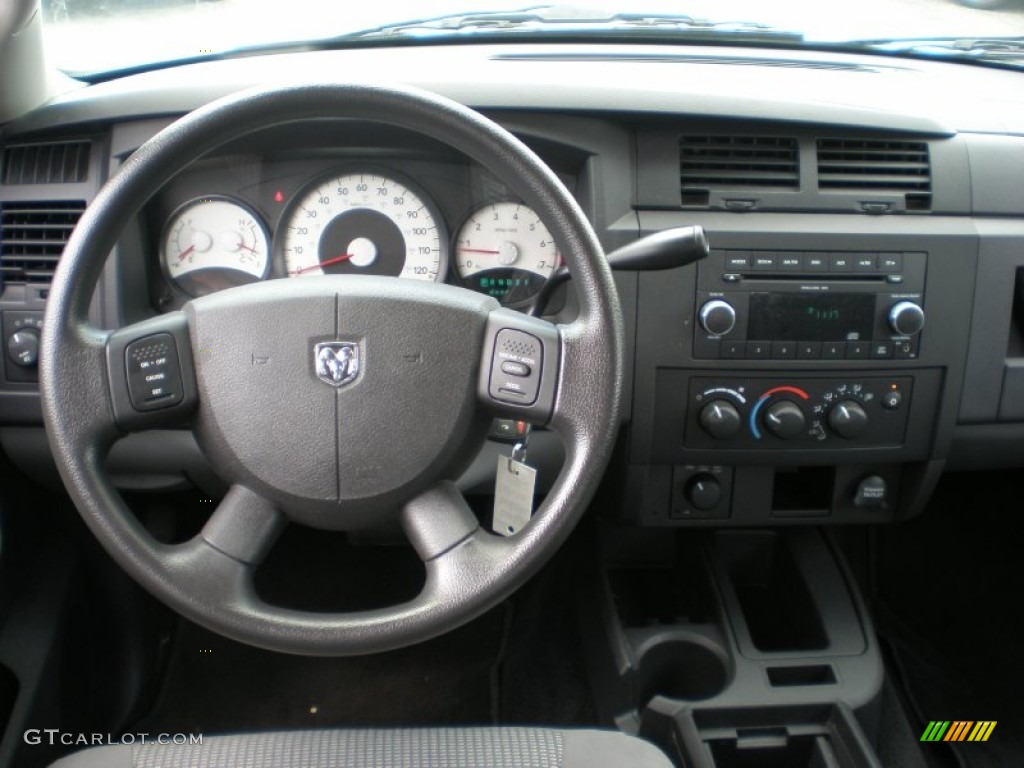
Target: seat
point(385, 748)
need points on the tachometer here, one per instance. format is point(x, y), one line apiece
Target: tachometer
point(212, 243)
point(504, 250)
point(364, 222)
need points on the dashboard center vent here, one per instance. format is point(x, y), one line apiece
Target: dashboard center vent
point(65, 162)
point(33, 236)
point(735, 162)
point(877, 165)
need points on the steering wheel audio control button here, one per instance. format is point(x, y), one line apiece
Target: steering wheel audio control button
point(516, 367)
point(154, 373)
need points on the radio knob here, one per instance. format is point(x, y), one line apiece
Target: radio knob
point(717, 317)
point(720, 419)
point(784, 419)
point(906, 318)
point(848, 419)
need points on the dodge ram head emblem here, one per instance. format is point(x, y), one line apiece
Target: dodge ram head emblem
point(337, 362)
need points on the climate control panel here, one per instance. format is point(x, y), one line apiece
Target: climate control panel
point(773, 413)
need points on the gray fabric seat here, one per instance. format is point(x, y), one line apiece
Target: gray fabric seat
point(386, 748)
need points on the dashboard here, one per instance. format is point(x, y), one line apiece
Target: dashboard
point(857, 329)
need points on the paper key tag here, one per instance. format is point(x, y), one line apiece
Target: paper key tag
point(513, 496)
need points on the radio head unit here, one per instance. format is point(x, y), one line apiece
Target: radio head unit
point(809, 305)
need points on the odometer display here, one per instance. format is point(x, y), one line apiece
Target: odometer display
point(363, 222)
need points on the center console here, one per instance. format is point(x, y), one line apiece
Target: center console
point(809, 382)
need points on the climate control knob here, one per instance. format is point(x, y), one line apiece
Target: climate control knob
point(906, 318)
point(848, 419)
point(720, 419)
point(717, 317)
point(784, 419)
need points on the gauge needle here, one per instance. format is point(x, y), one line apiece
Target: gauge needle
point(325, 263)
point(243, 245)
point(477, 250)
point(185, 253)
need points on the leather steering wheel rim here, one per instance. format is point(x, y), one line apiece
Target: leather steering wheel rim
point(209, 579)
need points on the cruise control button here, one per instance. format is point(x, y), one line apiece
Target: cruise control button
point(514, 368)
point(154, 374)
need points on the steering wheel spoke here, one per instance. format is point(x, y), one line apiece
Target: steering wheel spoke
point(438, 520)
point(244, 526)
point(151, 373)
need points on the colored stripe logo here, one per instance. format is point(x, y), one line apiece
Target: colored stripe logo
point(958, 730)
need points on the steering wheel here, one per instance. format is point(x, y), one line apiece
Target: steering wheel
point(301, 392)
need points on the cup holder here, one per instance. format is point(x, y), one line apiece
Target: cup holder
point(680, 665)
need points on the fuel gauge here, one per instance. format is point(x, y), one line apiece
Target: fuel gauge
point(213, 243)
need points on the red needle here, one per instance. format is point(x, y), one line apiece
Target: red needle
point(250, 250)
point(326, 263)
point(185, 253)
point(477, 250)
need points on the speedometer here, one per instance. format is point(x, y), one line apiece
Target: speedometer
point(364, 222)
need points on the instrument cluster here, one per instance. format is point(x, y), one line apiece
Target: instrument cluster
point(283, 221)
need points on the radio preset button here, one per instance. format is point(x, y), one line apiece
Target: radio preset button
point(808, 350)
point(783, 350)
point(759, 350)
point(857, 350)
point(717, 317)
point(732, 350)
point(833, 350)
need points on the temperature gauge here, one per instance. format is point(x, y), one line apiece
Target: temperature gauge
point(505, 251)
point(212, 243)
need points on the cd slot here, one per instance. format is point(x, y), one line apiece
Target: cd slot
point(761, 277)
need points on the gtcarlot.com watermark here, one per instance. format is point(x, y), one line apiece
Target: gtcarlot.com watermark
point(54, 736)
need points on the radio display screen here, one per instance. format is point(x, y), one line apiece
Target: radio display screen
point(811, 317)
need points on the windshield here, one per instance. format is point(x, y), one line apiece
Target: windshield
point(93, 36)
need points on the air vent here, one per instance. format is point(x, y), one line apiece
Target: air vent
point(32, 238)
point(60, 163)
point(735, 162)
point(877, 165)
